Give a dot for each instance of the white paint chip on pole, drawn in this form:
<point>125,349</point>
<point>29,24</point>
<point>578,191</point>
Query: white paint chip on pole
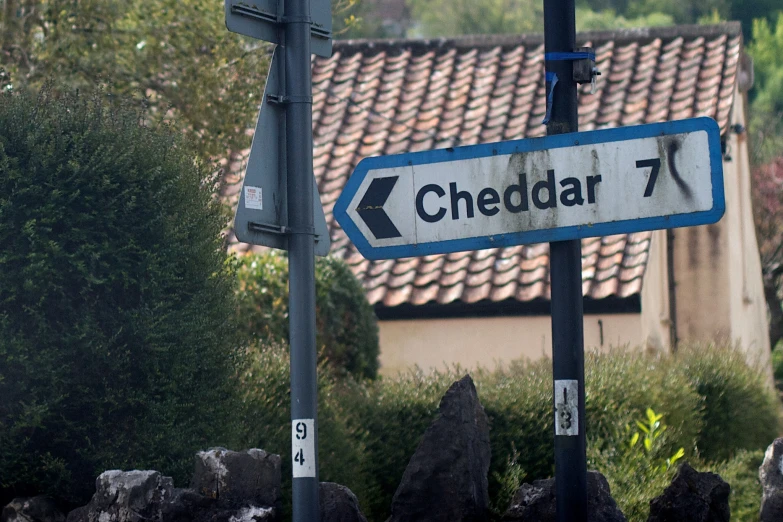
<point>567,407</point>
<point>303,447</point>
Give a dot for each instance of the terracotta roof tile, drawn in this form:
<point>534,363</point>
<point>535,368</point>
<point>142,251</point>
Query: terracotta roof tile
<point>384,97</point>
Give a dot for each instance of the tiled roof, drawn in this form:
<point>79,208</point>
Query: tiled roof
<point>384,97</point>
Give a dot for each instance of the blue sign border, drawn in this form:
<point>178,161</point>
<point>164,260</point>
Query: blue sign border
<point>529,145</point>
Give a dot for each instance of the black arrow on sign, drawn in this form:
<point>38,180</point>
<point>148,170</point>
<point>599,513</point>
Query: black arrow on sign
<point>370,208</point>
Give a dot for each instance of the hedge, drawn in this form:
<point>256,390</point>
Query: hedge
<point>117,348</point>
<point>266,422</point>
<point>346,327</point>
<point>695,391</point>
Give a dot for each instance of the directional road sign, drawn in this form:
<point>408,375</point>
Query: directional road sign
<point>262,19</point>
<point>262,211</point>
<point>560,187</point>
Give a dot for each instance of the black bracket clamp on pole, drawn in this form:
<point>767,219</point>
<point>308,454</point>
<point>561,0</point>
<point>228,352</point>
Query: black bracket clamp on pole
<point>583,71</point>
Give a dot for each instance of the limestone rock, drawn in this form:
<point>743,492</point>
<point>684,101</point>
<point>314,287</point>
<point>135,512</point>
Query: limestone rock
<point>32,509</point>
<point>692,497</point>
<point>253,514</point>
<point>446,479</point>
<point>771,477</point>
<point>338,504</point>
<point>229,486</point>
<point>236,478</point>
<point>126,496</point>
<point>536,502</point>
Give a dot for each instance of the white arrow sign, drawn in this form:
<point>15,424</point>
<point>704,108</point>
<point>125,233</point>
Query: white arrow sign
<point>555,188</point>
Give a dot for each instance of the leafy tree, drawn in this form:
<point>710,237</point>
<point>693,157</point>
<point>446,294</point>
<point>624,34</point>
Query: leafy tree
<point>117,348</point>
<point>682,11</point>
<point>768,214</point>
<point>346,327</point>
<point>175,56</point>
<point>589,20</point>
<point>767,105</point>
<point>457,17</point>
<point>766,131</point>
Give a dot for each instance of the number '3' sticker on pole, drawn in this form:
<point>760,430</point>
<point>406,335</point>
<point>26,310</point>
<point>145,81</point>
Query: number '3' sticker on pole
<point>566,407</point>
<point>303,447</point>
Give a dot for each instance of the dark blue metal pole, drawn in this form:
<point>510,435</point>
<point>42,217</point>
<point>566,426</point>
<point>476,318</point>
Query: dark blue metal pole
<point>566,284</point>
<point>301,244</point>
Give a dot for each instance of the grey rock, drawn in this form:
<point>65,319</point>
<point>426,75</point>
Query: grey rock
<point>446,479</point>
<point>186,506</point>
<point>771,477</point>
<point>536,502</point>
<point>32,509</point>
<point>236,478</point>
<point>78,515</point>
<point>253,514</point>
<point>228,486</point>
<point>692,497</point>
<point>126,496</point>
<point>339,504</point>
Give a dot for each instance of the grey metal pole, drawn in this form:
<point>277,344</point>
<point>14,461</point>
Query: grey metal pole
<point>566,284</point>
<point>301,257</point>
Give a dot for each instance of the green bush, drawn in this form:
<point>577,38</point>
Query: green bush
<point>622,384</point>
<point>391,414</point>
<point>346,327</point>
<point>266,415</point>
<point>777,366</point>
<point>116,297</point>
<point>741,411</point>
<point>518,403</point>
<point>742,474</point>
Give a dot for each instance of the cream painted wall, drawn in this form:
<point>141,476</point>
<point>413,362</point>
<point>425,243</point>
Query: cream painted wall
<point>486,341</point>
<point>749,323</point>
<point>717,267</point>
<point>655,318</point>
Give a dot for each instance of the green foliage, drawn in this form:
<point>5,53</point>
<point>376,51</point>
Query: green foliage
<point>174,56</point>
<point>266,415</point>
<point>117,348</point>
<point>777,367</point>
<point>607,19</point>
<point>508,483</point>
<point>346,327</point>
<point>767,105</point>
<point>742,474</point>
<point>458,17</point>
<point>697,394</point>
<point>652,429</point>
<point>637,472</point>
<point>736,396</point>
<point>391,415</point>
<point>518,403</point>
<point>621,385</point>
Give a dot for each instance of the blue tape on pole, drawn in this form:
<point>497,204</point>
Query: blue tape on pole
<point>555,57</point>
<point>551,78</point>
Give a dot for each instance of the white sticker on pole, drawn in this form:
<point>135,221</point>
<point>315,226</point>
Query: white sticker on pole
<point>303,447</point>
<point>253,199</point>
<point>567,407</point>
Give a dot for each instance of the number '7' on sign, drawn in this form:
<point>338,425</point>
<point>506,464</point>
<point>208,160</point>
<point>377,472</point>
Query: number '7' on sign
<point>553,188</point>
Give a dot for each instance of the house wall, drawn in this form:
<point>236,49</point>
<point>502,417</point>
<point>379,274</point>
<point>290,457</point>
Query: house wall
<point>655,317</point>
<point>485,341</point>
<point>718,286</point>
<point>717,267</point>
